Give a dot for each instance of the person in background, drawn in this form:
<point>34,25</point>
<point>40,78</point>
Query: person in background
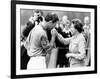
<point>63,27</point>
<point>67,26</point>
<point>86,23</point>
<point>86,27</point>
<point>34,20</point>
<point>37,43</point>
<point>86,34</point>
<point>62,61</point>
<point>77,44</point>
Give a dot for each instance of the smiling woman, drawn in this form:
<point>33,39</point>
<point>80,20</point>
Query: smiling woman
<point>38,47</point>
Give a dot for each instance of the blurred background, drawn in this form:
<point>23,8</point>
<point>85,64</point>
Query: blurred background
<point>26,13</point>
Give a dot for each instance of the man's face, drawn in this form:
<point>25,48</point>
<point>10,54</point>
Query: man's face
<point>51,25</point>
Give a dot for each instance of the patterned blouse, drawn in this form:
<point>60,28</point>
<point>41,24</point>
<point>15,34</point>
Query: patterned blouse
<point>76,48</point>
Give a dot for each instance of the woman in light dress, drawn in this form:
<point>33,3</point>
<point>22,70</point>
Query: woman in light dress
<point>77,52</point>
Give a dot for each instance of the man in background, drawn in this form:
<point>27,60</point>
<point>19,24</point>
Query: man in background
<point>87,36</point>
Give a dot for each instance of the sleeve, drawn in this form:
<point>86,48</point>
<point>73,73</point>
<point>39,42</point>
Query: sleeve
<point>63,40</point>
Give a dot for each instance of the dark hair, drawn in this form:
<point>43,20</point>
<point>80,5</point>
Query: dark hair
<point>51,17</point>
<point>28,28</point>
<point>38,11</point>
<point>78,25</point>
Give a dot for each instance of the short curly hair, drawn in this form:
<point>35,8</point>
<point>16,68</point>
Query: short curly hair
<point>78,25</point>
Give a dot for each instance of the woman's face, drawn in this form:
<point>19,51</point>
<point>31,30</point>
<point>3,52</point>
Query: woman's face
<point>73,30</point>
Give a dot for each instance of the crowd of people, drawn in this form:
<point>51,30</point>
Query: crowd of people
<point>47,42</point>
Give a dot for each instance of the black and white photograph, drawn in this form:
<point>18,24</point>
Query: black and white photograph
<point>55,39</point>
<point>65,41</point>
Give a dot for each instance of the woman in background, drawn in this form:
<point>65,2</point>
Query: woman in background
<point>63,29</point>
<point>66,24</point>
